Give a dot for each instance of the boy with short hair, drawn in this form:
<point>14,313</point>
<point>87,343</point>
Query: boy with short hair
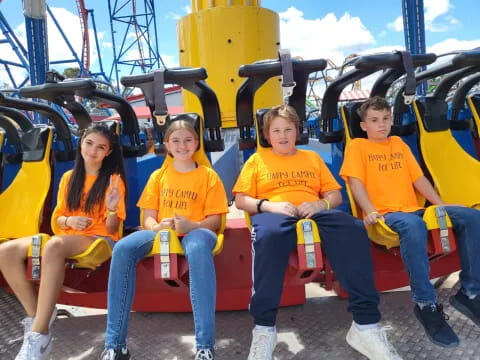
<point>383,176</point>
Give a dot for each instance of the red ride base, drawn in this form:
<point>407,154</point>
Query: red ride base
<point>233,269</point>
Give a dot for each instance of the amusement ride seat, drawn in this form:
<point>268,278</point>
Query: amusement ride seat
<point>455,173</point>
<point>441,239</point>
<point>167,252</point>
<point>307,262</point>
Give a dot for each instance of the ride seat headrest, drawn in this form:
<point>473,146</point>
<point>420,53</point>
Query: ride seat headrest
<point>434,114</point>
<point>353,120</point>
<point>34,142</point>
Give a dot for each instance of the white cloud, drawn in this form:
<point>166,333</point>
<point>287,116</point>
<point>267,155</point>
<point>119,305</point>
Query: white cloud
<point>346,35</point>
<point>396,25</point>
<point>173,15</point>
<point>187,9</point>
<point>170,61</point>
<point>107,44</point>
<point>449,45</point>
<point>435,17</point>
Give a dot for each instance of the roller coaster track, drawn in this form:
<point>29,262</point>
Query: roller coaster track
<point>83,15</point>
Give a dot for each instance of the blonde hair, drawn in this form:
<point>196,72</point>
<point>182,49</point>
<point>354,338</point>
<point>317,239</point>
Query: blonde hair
<point>180,125</point>
<point>284,111</point>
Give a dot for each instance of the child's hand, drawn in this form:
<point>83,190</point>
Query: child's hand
<point>78,222</point>
<point>282,207</point>
<point>167,223</point>
<point>182,225</point>
<point>307,209</point>
<point>372,218</point>
<point>113,194</point>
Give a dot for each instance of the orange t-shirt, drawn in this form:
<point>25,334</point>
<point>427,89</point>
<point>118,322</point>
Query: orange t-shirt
<point>387,170</point>
<point>195,194</point>
<point>297,178</point>
<point>99,216</point>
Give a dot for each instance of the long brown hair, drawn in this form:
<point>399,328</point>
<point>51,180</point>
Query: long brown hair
<point>112,164</point>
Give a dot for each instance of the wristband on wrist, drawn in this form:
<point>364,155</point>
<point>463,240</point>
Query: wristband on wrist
<point>111,212</point>
<point>65,224</point>
<point>373,212</point>
<point>327,203</point>
<point>259,205</point>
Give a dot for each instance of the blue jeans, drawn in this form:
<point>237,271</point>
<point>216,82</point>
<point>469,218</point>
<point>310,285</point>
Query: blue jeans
<point>413,248</point>
<point>198,245</point>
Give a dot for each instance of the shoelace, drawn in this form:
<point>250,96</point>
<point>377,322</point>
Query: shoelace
<point>260,346</point>
<point>438,321</point>
<point>204,354</point>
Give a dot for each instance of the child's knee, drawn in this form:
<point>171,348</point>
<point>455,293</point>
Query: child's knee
<point>54,247</point>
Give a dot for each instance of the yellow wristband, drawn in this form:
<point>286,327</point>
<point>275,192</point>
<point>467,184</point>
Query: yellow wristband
<point>111,212</point>
<point>373,212</point>
<point>327,203</point>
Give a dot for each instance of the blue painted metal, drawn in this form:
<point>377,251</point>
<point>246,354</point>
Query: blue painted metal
<point>36,30</point>
<point>414,31</point>
<point>18,49</point>
<point>127,17</point>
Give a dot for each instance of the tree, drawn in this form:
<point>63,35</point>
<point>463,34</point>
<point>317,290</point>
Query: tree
<point>71,72</point>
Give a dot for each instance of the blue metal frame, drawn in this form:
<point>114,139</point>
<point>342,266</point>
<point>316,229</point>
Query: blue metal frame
<point>122,22</point>
<point>19,50</point>
<point>414,31</point>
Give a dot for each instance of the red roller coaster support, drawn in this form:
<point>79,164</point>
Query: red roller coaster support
<point>83,15</point>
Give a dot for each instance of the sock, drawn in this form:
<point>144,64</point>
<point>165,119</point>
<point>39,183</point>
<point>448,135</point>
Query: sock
<point>363,327</point>
<point>422,305</point>
<point>265,328</point>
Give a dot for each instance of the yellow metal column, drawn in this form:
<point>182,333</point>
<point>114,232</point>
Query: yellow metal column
<point>221,35</point>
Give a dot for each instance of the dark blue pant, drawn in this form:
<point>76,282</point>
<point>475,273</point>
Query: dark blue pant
<point>344,241</point>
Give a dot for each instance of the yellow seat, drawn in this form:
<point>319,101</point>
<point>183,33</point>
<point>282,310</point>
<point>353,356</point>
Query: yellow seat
<point>455,173</point>
<point>21,203</point>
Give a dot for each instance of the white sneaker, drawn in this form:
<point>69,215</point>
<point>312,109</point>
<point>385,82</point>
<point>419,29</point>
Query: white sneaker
<point>27,328</point>
<point>204,354</point>
<point>263,343</point>
<point>38,346</point>
<point>372,343</point>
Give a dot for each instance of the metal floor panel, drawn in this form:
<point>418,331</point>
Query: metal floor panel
<point>315,330</point>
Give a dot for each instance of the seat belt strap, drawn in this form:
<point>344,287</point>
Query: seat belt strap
<point>161,110</point>
<point>441,214</point>
<point>36,245</point>
<point>288,83</point>
<point>410,83</point>
<point>165,254</point>
<point>307,230</point>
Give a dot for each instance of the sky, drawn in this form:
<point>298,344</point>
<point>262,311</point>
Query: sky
<point>309,28</point>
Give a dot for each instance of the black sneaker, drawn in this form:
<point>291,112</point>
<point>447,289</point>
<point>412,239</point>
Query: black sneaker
<point>434,321</point>
<point>111,354</point>
<point>468,307</point>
